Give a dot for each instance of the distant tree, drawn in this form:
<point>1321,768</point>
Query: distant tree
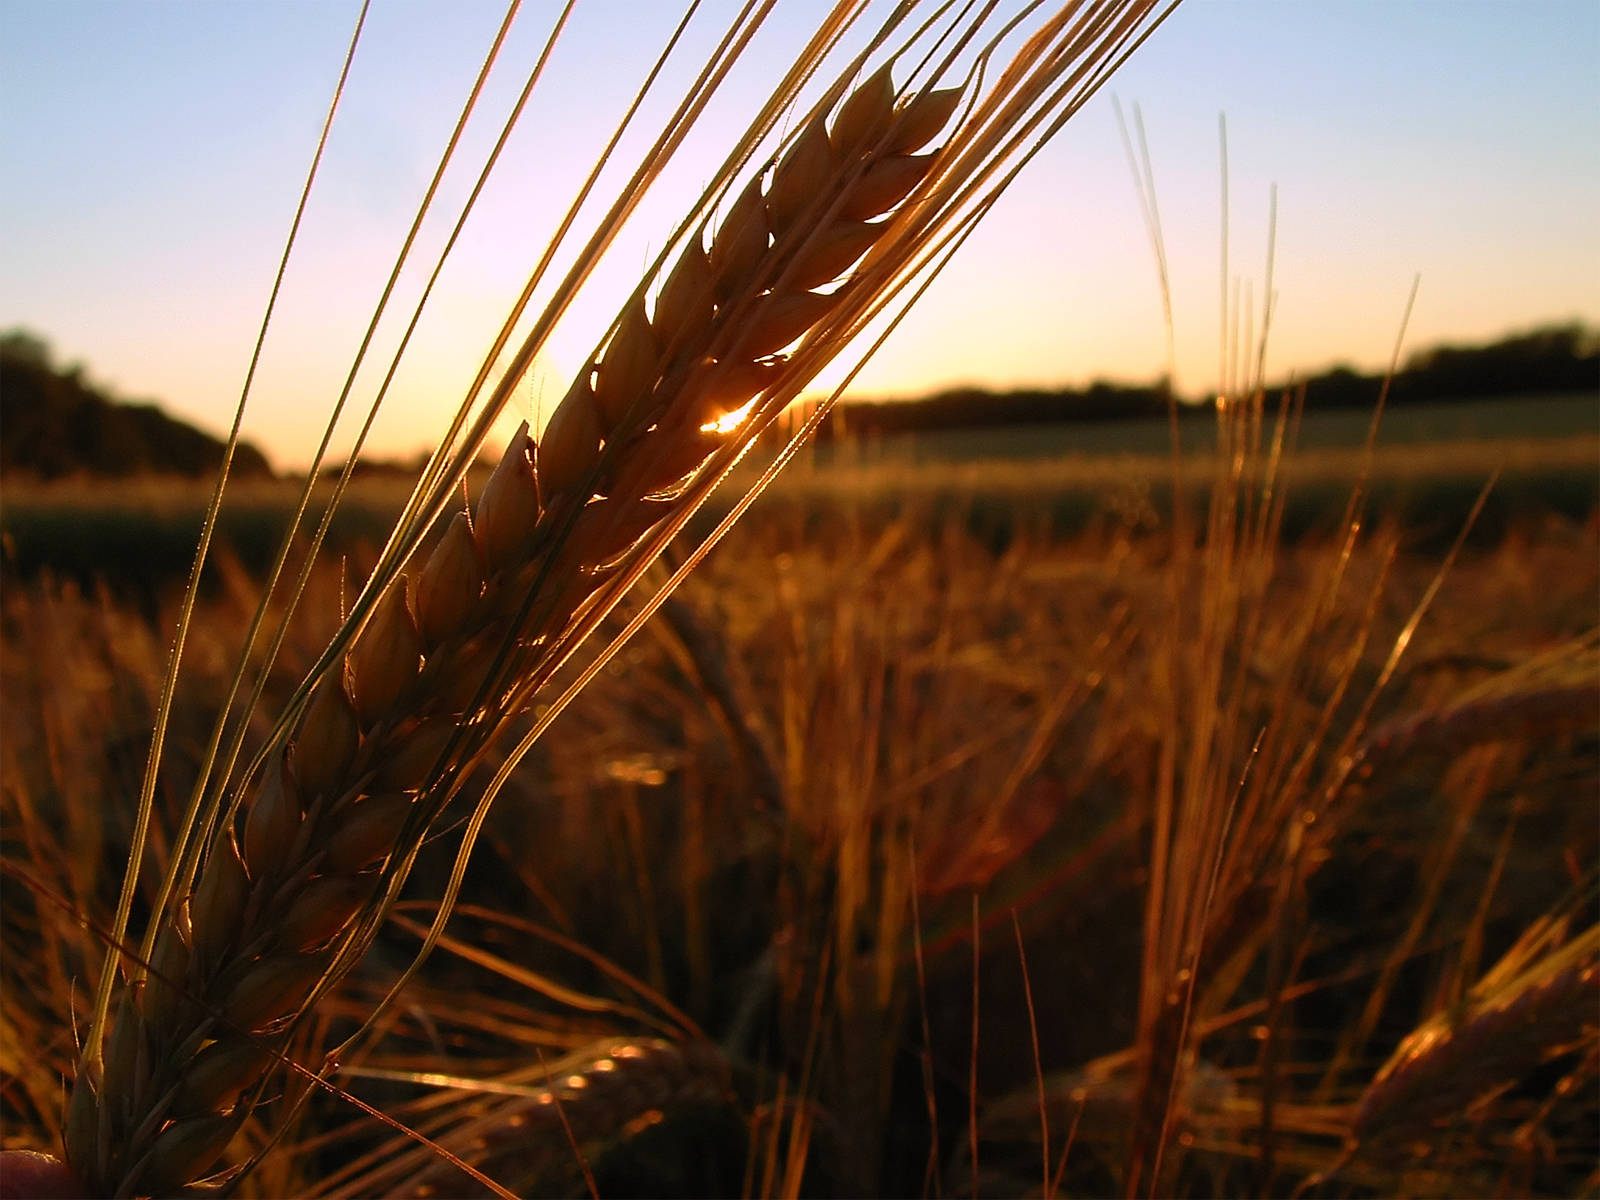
<point>53,423</point>
<point>20,346</point>
<point>1341,387</point>
<point>976,408</point>
<point>1554,358</point>
<point>1550,360</point>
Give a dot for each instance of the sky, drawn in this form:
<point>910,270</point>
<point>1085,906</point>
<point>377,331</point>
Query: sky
<point>152,153</point>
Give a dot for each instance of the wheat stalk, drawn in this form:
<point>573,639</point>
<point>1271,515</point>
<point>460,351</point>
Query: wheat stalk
<point>305,858</point>
<point>1540,999</point>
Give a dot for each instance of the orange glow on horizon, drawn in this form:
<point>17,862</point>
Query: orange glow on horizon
<point>160,295</point>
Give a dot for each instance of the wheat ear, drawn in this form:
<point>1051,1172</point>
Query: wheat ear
<point>1541,998</point>
<point>1516,1017</point>
<point>273,906</point>
<point>528,1141</point>
<point>311,849</point>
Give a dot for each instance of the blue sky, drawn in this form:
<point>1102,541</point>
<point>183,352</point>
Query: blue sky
<point>152,153</point>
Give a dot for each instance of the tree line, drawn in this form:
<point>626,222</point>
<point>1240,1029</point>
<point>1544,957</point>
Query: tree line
<point>1551,360</point>
<point>54,423</point>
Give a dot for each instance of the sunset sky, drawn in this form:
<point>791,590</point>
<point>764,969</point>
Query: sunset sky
<point>152,155</point>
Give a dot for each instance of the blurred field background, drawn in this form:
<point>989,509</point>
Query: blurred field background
<point>856,844</point>
<point>1429,464</point>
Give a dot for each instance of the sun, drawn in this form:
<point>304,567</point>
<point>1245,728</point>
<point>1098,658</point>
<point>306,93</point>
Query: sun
<point>730,421</point>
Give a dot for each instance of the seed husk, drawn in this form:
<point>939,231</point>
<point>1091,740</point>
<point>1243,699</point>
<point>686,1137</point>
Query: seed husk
<point>270,990</point>
<point>218,1074</point>
<point>326,741</point>
<point>179,1152</point>
<point>802,176</point>
<point>883,185</point>
<point>509,508</point>
<point>831,253</point>
<point>366,832</point>
<point>865,115</point>
<point>571,443</point>
<point>82,1132</point>
<point>322,909</point>
<point>741,242</point>
<point>450,583</point>
<point>647,475</point>
<point>386,660</point>
<point>921,120</point>
<point>608,527</point>
<point>163,999</point>
<point>127,1055</point>
<point>457,688</point>
<point>717,389</point>
<point>218,903</point>
<point>628,368</point>
<point>684,307</point>
<point>273,821</point>
<point>780,318</point>
<point>414,755</point>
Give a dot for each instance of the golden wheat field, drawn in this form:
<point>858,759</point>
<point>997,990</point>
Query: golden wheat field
<point>608,822</point>
<point>852,848</point>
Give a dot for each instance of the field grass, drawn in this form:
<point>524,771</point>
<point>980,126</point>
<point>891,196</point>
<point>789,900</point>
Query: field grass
<point>969,823</point>
<point>1430,463</point>
<point>856,845</point>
